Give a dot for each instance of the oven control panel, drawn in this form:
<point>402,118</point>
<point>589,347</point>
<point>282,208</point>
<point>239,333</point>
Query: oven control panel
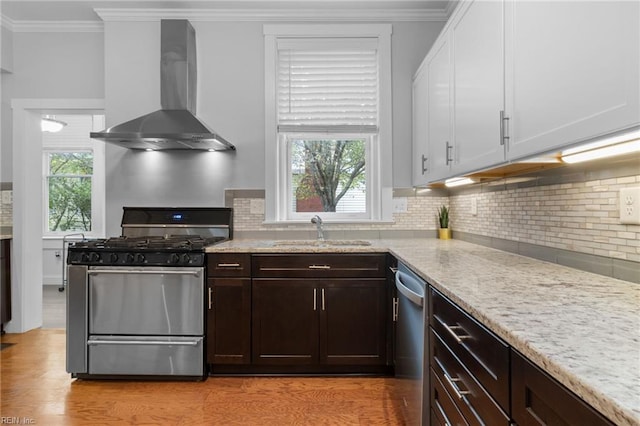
<point>139,258</point>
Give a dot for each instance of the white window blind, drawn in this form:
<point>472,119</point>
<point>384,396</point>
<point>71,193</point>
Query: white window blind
<point>327,86</point>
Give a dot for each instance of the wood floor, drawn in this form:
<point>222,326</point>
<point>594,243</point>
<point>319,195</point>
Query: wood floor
<point>35,388</point>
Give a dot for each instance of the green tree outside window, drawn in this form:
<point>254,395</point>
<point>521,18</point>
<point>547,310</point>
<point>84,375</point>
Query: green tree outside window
<point>69,191</point>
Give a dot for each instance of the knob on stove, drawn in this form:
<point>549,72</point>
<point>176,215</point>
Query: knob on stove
<point>113,258</point>
<point>174,258</point>
<point>129,258</point>
<point>95,257</point>
<point>186,258</point>
<point>140,258</point>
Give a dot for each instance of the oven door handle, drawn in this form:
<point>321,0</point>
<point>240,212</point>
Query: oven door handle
<point>142,272</point>
<point>195,342</point>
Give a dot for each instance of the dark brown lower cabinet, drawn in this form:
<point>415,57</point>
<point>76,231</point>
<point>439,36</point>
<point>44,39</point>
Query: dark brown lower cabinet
<point>319,322</point>
<point>229,321</point>
<point>538,399</point>
<point>5,281</point>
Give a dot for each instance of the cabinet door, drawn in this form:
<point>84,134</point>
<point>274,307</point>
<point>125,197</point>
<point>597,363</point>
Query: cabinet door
<point>572,72</point>
<point>353,322</point>
<point>420,127</point>
<point>537,399</point>
<point>440,144</point>
<point>229,321</point>
<point>477,39</point>
<point>285,321</point>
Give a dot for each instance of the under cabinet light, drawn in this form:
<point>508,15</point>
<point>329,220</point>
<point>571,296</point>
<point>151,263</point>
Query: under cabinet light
<point>457,181</point>
<point>626,143</point>
<point>50,124</point>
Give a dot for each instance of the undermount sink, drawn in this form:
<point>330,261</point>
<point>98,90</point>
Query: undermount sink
<point>321,243</point>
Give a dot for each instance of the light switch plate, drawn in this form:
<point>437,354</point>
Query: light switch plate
<point>630,206</point>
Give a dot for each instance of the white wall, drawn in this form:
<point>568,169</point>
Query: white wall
<point>50,71</point>
<point>230,100</point>
<point>49,65</point>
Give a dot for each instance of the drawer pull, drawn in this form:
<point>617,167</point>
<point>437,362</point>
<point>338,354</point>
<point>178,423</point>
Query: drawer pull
<point>228,265</point>
<point>319,266</point>
<point>442,413</point>
<point>210,298</point>
<point>454,330</point>
<point>453,383</point>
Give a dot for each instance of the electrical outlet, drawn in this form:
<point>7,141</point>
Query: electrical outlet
<point>256,206</point>
<point>630,206</point>
<point>474,206</point>
<point>400,205</point>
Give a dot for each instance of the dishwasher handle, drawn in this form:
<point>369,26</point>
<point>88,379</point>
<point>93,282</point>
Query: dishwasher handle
<point>415,298</point>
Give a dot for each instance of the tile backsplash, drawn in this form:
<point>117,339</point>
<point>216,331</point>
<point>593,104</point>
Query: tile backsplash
<point>573,210</point>
<point>579,216</point>
<point>418,220</point>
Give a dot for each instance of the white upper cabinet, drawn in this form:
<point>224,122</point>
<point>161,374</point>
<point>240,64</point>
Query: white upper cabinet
<point>440,144</point>
<point>432,143</point>
<point>477,37</point>
<point>420,127</point>
<point>572,72</point>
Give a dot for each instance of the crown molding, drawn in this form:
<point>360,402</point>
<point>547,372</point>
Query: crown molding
<point>52,26</point>
<point>280,15</point>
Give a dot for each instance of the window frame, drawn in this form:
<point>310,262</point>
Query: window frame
<point>286,176</point>
<point>379,175</point>
<point>97,182</point>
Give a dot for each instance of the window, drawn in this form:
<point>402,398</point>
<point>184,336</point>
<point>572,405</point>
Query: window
<point>328,122</point>
<point>73,178</point>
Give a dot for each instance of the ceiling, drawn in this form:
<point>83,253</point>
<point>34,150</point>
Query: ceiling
<point>30,11</point>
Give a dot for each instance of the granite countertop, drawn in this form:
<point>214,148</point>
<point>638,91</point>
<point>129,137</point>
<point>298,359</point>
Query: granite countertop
<point>6,236</point>
<point>582,328</point>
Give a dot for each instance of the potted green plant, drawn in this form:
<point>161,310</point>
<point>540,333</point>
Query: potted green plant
<point>444,233</point>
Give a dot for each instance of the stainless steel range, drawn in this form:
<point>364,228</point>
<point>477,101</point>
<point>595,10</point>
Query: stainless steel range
<point>135,303</point>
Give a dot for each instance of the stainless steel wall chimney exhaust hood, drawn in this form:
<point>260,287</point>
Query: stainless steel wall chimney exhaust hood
<point>175,126</point>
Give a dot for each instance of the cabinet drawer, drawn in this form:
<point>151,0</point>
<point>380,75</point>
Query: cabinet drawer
<point>538,399</point>
<point>471,398</point>
<point>313,265</point>
<point>442,404</point>
<point>478,349</point>
<point>229,265</point>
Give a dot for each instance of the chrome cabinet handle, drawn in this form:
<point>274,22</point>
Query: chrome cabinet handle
<point>452,330</point>
<point>315,299</point>
<point>443,413</point>
<point>503,133</point>
<point>210,298</point>
<point>395,309</point>
<point>319,266</point>
<point>323,299</point>
<point>452,381</point>
<point>424,161</point>
<point>448,158</point>
<point>228,265</point>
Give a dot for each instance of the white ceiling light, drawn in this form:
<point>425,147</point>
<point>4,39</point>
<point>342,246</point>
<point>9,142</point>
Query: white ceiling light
<point>625,143</point>
<point>457,181</point>
<point>50,124</point>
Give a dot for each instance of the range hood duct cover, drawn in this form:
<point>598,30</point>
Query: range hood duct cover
<point>175,126</point>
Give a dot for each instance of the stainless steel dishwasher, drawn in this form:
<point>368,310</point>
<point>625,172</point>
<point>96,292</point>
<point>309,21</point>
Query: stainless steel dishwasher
<point>411,354</point>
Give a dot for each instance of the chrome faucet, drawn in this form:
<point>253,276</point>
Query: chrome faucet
<point>318,221</point>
